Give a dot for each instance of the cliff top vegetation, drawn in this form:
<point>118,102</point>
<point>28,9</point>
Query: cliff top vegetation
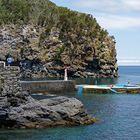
<point>44,13</point>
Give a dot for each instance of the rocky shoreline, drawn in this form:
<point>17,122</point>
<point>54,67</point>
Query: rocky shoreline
<point>19,110</point>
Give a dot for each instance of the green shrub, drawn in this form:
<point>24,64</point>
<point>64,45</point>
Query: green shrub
<point>14,11</point>
<point>46,13</point>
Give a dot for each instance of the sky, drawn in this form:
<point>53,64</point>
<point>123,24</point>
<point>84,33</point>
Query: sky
<point>120,17</point>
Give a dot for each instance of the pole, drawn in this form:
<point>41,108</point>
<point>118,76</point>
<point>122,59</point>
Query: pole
<point>65,75</point>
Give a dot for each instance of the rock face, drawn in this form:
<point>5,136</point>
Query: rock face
<point>18,109</point>
<point>65,38</point>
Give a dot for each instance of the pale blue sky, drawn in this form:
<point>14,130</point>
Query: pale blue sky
<point>120,17</point>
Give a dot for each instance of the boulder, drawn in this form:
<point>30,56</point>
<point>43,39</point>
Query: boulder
<point>46,113</point>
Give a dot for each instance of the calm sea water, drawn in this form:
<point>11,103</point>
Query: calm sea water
<point>119,115</point>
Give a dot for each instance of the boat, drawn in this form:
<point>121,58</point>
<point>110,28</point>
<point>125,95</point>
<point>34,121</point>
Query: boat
<point>104,89</point>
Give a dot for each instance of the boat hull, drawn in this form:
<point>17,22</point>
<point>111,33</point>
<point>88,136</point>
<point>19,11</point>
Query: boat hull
<point>109,89</point>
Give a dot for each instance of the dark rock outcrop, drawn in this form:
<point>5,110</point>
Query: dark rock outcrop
<point>46,113</point>
<point>19,110</point>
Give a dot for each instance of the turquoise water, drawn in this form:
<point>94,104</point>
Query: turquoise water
<point>119,115</point>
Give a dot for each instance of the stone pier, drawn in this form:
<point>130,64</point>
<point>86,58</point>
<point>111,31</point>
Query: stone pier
<point>51,86</point>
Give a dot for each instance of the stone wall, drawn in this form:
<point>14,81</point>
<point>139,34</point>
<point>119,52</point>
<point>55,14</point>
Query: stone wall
<point>9,77</point>
<point>1,81</point>
<point>11,93</point>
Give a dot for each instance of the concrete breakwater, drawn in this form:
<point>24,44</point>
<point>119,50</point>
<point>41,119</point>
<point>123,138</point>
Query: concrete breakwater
<point>19,110</point>
<point>52,86</point>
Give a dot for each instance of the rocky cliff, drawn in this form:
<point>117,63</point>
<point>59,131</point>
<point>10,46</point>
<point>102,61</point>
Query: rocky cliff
<point>43,38</point>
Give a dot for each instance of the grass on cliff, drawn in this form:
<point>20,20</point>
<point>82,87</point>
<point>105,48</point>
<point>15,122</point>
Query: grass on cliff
<point>24,11</point>
<point>44,13</point>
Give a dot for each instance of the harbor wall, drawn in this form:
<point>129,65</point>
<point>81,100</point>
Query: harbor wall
<point>51,86</point>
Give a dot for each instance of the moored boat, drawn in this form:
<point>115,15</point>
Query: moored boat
<point>104,89</point>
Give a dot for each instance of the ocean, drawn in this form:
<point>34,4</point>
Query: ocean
<point>118,114</point>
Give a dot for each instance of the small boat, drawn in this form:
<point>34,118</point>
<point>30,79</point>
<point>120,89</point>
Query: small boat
<point>104,89</point>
